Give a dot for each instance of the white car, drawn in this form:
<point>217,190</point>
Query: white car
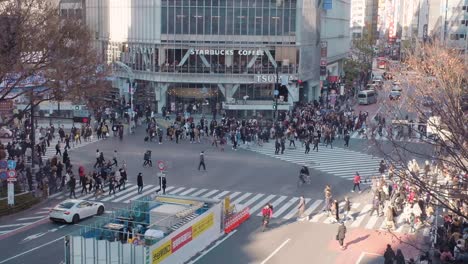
<point>73,210</point>
<point>5,133</point>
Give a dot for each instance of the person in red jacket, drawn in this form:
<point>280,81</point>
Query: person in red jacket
<point>357,182</point>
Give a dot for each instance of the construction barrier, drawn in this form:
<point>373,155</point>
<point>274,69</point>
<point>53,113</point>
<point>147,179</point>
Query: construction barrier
<point>234,221</point>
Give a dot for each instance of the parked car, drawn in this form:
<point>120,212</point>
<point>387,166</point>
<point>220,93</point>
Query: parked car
<point>6,133</point>
<point>394,95</point>
<point>73,210</point>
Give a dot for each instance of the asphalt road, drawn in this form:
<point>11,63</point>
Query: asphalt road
<point>243,171</point>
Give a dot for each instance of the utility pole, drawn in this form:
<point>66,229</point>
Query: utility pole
<point>276,94</point>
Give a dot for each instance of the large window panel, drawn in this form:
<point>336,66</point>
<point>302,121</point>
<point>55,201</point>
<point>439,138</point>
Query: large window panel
<point>207,20</point>
<point>185,20</point>
<point>230,24</point>
<point>193,20</point>
<point>215,18</point>
<point>266,21</point>
<point>222,21</point>
<point>200,17</point>
<point>179,20</point>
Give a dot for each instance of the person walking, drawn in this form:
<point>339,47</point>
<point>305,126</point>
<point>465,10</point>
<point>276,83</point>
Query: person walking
<point>346,139</point>
<point>399,258</point>
<point>112,185</point>
<point>202,161</point>
<point>277,146</point>
<point>340,236</point>
<point>336,210</point>
<point>283,145</point>
<point>123,178</point>
<point>163,184</point>
<point>57,149</point>
<point>316,143</point>
<point>389,255</point>
<point>307,146</point>
<point>375,205</point>
<point>390,218</point>
<point>147,159</point>
<point>357,182</point>
<point>347,209</point>
<point>301,208</point>
<point>114,158</point>
<point>140,182</point>
<point>72,185</point>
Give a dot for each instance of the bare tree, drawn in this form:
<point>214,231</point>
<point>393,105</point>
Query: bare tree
<point>56,54</point>
<point>435,111</point>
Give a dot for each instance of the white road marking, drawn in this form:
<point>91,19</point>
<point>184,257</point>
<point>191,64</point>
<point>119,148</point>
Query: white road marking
<point>261,204</point>
<point>363,214</point>
<point>210,193</point>
<point>199,192</point>
<point>313,207</point>
<point>31,250</point>
<point>221,195</point>
<point>276,251</point>
<point>213,247</point>
<point>113,196</point>
<point>285,207</point>
<point>187,191</point>
<point>29,218</point>
<point>127,196</point>
<point>240,199</point>
<point>275,204</point>
<point>295,210</point>
<point>177,190</point>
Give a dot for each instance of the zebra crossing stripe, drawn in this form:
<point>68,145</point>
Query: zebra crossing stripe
<point>261,203</point>
<point>234,195</point>
<point>372,221</point>
<point>240,199</point>
<point>362,215</point>
<point>128,190</point>
<point>253,199</point>
<point>129,195</point>
<point>275,204</point>
<point>312,207</point>
<point>199,192</point>
<point>177,190</point>
<point>222,194</point>
<point>286,206</point>
<point>295,210</point>
<point>144,193</point>
<point>208,194</point>
<point>187,191</point>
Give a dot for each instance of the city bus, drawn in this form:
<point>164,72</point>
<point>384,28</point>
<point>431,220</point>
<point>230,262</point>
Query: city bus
<point>367,97</point>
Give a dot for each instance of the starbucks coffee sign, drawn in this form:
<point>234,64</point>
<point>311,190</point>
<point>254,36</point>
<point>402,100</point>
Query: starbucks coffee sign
<point>223,52</point>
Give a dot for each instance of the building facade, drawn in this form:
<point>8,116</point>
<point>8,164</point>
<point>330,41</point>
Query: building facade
<point>214,54</point>
<point>358,18</point>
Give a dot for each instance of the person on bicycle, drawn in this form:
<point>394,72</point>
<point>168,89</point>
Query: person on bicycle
<point>304,173</point>
<point>266,213</point>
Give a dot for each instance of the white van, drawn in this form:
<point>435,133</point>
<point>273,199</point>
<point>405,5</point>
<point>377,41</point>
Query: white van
<point>367,97</point>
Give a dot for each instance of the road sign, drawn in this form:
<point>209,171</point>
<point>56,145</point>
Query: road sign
<point>11,193</point>
<point>3,174</point>
<point>161,165</point>
<point>11,164</point>
<point>3,164</point>
<point>11,174</point>
<point>12,179</point>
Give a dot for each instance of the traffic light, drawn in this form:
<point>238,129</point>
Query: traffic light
<point>79,119</point>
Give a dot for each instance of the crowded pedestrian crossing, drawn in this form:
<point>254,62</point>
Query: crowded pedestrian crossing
<point>340,162</point>
<point>285,207</point>
<point>50,151</point>
<point>384,137</point>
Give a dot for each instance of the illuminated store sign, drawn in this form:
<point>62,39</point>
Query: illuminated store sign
<point>223,52</point>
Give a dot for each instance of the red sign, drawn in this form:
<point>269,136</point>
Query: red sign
<point>161,165</point>
<point>323,62</point>
<point>332,79</point>
<point>181,239</point>
<point>12,174</point>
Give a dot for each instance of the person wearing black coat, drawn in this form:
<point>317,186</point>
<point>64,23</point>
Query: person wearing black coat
<point>140,182</point>
<point>389,255</point>
<point>340,236</point>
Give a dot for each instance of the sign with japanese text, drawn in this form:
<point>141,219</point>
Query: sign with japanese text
<point>202,225</point>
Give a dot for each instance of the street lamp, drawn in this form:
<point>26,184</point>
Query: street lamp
<point>276,95</point>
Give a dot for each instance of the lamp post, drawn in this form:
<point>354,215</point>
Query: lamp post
<point>32,136</point>
<point>276,94</point>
